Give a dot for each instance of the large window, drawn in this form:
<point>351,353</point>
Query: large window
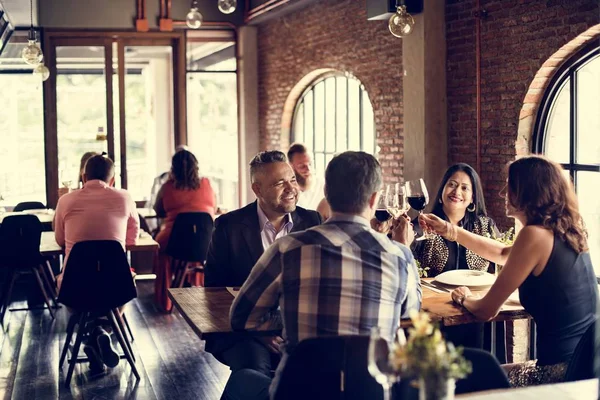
<point>212,112</point>
<point>334,115</point>
<point>568,131</point>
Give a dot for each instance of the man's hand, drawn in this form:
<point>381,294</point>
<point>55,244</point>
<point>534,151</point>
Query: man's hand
<point>402,230</point>
<point>272,343</point>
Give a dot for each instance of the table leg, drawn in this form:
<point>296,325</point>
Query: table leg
<point>532,340</point>
<point>493,338</point>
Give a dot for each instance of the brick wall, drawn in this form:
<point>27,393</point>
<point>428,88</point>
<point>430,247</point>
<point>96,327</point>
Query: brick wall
<point>332,34</point>
<point>517,37</point>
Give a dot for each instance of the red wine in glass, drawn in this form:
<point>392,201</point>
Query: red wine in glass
<point>382,215</point>
<point>417,202</point>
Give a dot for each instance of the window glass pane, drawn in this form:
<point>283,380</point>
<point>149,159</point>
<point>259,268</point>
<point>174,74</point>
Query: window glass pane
<point>81,108</point>
<point>213,133</point>
<point>22,168</point>
<point>368,125</point>
<point>298,133</point>
<point>330,117</point>
<point>319,93</point>
<point>211,56</point>
<point>354,114</point>
<point>342,115</point>
<point>309,118</point>
<point>589,204</point>
<point>557,132</point>
<point>320,164</point>
<point>588,113</point>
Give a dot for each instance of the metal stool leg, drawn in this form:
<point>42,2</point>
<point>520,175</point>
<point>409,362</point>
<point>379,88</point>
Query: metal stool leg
<point>70,329</point>
<point>123,344</point>
<point>128,327</point>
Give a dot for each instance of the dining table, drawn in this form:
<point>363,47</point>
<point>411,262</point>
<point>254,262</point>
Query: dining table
<point>44,215</point>
<point>206,310</point>
<point>580,390</point>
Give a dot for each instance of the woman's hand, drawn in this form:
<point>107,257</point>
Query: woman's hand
<point>402,230</point>
<point>460,294</point>
<point>381,227</point>
<point>433,223</point>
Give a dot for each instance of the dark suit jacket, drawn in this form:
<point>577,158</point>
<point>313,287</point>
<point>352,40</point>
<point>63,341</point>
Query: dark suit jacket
<point>235,247</point>
<point>236,244</point>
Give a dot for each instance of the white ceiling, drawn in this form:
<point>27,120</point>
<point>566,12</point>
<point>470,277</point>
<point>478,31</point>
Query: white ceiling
<point>18,11</point>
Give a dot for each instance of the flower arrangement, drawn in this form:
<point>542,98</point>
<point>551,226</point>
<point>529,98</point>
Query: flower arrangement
<point>427,355</point>
<point>422,271</point>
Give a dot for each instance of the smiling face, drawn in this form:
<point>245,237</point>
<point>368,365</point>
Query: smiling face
<point>458,193</point>
<point>302,165</point>
<point>276,188</point>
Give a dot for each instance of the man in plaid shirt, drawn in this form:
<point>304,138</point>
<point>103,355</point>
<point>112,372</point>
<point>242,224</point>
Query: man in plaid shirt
<point>339,278</point>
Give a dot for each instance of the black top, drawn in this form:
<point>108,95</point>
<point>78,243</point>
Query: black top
<point>562,302</point>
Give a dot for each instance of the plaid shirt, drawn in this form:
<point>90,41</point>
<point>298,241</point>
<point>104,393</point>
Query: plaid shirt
<point>339,278</point>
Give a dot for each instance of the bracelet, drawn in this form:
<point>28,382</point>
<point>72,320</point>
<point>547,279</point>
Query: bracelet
<point>462,299</point>
<point>451,232</point>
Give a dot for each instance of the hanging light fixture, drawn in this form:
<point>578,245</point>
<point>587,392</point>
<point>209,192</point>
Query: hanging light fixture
<point>41,72</point>
<point>193,18</point>
<point>227,6</point>
<point>401,24</point>
<point>32,54</point>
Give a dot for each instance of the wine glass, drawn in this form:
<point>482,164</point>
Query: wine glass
<point>418,198</point>
<point>381,212</point>
<point>65,179</point>
<point>400,200</point>
<point>380,366</point>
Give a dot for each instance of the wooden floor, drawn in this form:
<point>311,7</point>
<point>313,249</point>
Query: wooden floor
<point>170,358</point>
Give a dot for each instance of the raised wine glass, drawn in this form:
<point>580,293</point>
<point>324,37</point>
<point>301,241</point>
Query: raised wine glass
<point>380,366</point>
<point>382,211</point>
<point>418,198</point>
<point>402,201</point>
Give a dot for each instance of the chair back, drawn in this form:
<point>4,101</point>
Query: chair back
<point>314,371</point>
<point>29,205</point>
<point>190,236</point>
<point>487,373</point>
<point>144,224</point>
<point>97,277</point>
<point>581,365</point>
<point>20,237</point>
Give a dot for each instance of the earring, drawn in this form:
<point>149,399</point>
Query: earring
<point>471,209</point>
<point>440,200</point>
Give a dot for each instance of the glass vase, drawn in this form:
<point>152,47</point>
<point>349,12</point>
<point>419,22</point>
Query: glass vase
<point>436,387</point>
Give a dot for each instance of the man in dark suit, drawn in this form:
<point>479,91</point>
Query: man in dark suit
<point>238,241</point>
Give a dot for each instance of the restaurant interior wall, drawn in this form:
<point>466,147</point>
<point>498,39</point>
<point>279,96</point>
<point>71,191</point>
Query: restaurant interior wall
<point>516,39</point>
<point>337,35</point>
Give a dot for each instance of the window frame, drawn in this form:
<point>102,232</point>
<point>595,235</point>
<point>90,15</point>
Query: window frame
<point>310,89</point>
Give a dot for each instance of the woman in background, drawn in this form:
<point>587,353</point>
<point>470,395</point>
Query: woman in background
<point>549,263</point>
<point>184,191</point>
<point>460,202</point>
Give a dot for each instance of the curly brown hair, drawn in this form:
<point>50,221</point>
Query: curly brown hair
<point>538,187</point>
<point>184,171</point>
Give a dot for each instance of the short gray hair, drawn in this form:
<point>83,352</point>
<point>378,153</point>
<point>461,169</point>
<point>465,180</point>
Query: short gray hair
<point>263,158</point>
<point>350,179</point>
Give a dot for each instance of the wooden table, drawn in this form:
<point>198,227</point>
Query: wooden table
<point>581,390</point>
<point>49,247</point>
<point>207,309</point>
<point>147,212</point>
<point>45,216</point>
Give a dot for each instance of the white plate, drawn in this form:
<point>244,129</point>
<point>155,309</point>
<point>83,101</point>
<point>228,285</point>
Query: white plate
<point>466,277</point>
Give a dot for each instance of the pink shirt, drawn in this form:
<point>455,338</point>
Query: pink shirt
<point>96,212</point>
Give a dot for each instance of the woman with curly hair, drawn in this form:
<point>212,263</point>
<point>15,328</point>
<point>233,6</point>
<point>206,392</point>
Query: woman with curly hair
<point>549,263</point>
<point>184,191</point>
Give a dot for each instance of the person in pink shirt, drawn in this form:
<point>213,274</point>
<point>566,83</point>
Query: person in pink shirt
<point>96,212</point>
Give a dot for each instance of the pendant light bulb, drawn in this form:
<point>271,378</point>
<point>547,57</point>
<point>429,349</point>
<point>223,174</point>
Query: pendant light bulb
<point>227,6</point>
<point>401,24</point>
<point>41,72</point>
<point>194,19</point>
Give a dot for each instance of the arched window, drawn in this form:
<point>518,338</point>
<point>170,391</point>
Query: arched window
<point>334,114</point>
<point>568,131</point>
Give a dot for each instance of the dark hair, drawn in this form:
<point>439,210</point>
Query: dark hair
<point>84,158</point>
<point>538,188</point>
<point>350,179</point>
<point>263,158</point>
<point>99,167</point>
<point>470,217</point>
<point>184,171</point>
<point>296,148</point>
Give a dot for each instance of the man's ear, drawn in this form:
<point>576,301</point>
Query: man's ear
<point>373,200</point>
<point>256,189</point>
<point>84,178</point>
<point>111,183</point>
